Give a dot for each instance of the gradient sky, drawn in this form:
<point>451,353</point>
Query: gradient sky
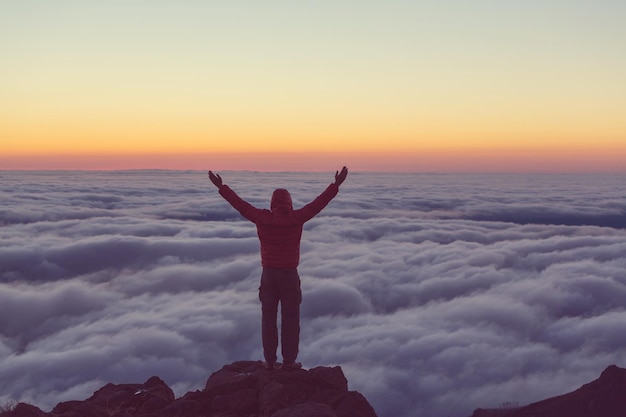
<point>487,85</point>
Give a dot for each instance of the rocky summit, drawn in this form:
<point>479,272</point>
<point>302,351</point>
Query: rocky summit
<point>241,389</point>
<point>603,397</point>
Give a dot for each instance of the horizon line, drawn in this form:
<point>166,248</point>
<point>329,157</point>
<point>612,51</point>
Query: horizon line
<point>429,161</point>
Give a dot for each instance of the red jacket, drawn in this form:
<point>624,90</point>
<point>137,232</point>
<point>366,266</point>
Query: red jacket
<point>280,228</point>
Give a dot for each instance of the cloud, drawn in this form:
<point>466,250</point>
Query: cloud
<point>25,307</point>
<point>50,259</point>
<point>333,298</point>
<point>437,294</point>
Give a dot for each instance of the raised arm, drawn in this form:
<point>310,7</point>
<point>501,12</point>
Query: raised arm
<point>215,179</point>
<point>246,209</point>
<point>310,210</point>
<point>340,177</point>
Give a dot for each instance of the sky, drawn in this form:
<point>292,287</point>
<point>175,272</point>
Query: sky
<point>440,86</point>
<point>436,293</point>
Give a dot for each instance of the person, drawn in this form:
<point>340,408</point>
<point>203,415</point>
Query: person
<point>280,231</point>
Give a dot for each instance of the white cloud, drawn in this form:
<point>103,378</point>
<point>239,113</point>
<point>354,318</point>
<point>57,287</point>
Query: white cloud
<point>435,293</point>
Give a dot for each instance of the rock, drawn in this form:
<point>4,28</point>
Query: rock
<point>280,390</point>
<point>486,412</point>
<point>24,410</point>
<point>306,410</point>
<point>240,389</point>
<point>603,397</point>
<point>354,404</point>
<point>111,400</point>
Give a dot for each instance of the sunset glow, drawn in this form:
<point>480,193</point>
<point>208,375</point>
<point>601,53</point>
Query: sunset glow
<point>381,86</point>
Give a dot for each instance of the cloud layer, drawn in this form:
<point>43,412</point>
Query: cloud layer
<point>435,293</point>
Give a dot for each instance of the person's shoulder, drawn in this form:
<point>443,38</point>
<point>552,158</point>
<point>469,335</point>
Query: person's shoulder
<point>263,215</point>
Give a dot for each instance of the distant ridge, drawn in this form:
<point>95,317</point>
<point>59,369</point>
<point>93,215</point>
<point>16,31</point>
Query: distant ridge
<point>240,389</point>
<point>603,397</point>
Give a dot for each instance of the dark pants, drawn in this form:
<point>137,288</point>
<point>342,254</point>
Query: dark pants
<point>280,285</point>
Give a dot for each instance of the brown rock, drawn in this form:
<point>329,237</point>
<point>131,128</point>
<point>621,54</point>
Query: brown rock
<point>240,389</point>
<point>306,410</point>
<point>282,390</point>
<point>603,397</point>
<point>353,404</point>
<point>24,410</point>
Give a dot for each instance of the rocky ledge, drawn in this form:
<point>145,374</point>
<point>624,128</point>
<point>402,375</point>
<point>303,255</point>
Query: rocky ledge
<point>241,389</point>
<point>603,397</point>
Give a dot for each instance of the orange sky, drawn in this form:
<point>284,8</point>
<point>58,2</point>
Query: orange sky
<point>548,161</point>
<point>394,86</point>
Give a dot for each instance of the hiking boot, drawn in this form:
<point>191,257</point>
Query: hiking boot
<point>270,366</point>
<point>292,366</point>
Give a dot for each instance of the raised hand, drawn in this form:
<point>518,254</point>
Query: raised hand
<point>340,177</point>
<point>215,179</point>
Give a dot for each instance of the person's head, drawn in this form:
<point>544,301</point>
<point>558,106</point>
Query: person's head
<point>281,201</point>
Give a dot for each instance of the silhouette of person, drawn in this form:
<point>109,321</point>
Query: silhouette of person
<point>280,230</point>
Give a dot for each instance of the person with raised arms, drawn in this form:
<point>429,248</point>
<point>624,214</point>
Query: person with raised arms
<point>280,231</point>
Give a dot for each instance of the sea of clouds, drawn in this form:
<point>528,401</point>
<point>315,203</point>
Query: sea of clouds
<point>436,294</point>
